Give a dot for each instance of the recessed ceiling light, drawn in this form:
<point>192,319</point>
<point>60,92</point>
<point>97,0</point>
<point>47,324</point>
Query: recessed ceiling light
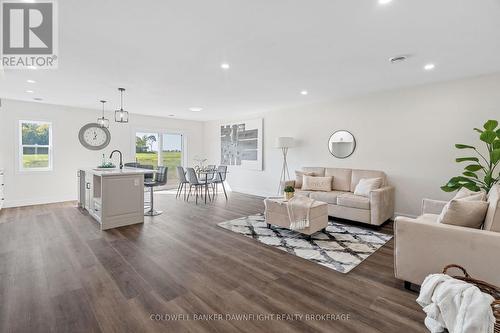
<point>224,65</point>
<point>32,67</point>
<point>29,91</point>
<point>304,92</point>
<point>195,109</point>
<point>384,2</point>
<point>31,81</point>
<point>429,67</point>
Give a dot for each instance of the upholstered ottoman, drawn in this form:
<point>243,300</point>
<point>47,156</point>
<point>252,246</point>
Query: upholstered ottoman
<point>277,214</point>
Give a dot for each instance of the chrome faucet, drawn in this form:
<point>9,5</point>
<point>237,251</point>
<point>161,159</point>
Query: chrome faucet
<point>121,159</point>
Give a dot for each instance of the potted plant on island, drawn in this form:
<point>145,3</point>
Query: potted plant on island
<point>289,192</point>
<point>481,173</point>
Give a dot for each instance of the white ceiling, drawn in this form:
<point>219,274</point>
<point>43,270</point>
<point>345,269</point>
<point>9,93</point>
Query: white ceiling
<point>167,54</point>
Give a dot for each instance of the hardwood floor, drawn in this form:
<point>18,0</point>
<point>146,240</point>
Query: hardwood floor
<point>59,272</point>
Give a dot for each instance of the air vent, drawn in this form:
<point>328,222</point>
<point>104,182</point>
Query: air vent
<point>398,59</point>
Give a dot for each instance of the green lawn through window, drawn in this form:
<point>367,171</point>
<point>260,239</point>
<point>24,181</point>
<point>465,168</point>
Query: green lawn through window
<point>171,159</point>
<point>35,161</point>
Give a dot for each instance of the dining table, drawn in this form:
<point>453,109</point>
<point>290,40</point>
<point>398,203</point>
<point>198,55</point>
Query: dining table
<point>206,173</point>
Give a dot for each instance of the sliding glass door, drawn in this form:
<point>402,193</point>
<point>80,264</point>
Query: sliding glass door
<point>160,149</point>
<point>171,155</point>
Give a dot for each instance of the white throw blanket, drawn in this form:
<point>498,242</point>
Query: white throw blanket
<point>455,305</point>
<point>299,208</point>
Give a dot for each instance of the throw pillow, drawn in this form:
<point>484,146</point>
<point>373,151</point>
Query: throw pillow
<point>366,185</point>
<point>464,193</point>
<point>311,183</point>
<point>464,213</point>
<point>298,177</point>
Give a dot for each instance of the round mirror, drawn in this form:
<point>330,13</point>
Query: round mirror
<point>342,144</point>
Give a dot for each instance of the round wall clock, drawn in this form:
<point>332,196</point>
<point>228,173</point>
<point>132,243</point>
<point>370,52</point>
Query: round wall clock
<point>94,137</point>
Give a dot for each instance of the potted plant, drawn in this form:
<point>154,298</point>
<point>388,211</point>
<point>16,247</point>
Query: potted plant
<point>289,192</point>
<point>481,173</point>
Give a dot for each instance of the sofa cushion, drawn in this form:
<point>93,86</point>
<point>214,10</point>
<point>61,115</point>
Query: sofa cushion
<point>366,185</point>
<point>311,183</point>
<point>299,177</point>
<point>431,218</point>
<point>328,197</point>
<point>492,220</point>
<point>320,172</point>
<point>464,213</point>
<point>353,201</point>
<point>358,174</point>
<point>303,193</point>
<point>341,178</point>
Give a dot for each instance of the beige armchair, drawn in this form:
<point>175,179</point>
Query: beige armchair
<point>423,246</point>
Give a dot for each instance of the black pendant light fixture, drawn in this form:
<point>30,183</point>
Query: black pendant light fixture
<point>103,122</point>
<point>121,116</point>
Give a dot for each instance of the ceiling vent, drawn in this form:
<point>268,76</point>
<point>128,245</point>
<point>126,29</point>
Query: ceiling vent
<point>398,59</point>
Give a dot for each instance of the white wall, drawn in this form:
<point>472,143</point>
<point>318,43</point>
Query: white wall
<point>69,155</point>
<point>408,133</point>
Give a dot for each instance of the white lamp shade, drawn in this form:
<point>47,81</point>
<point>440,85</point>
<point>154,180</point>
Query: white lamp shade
<point>284,142</point>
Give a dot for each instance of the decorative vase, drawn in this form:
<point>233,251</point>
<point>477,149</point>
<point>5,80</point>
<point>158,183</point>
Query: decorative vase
<point>288,195</point>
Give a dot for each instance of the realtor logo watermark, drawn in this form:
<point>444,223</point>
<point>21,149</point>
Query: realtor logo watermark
<point>29,34</point>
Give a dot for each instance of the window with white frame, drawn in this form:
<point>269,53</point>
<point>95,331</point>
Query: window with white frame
<point>35,145</point>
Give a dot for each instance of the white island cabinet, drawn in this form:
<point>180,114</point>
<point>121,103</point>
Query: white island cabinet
<point>114,198</point>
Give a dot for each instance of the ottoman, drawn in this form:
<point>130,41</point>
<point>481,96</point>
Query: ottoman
<point>277,214</point>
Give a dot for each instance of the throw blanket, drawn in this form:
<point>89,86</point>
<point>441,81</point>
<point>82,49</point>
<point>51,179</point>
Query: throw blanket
<point>455,305</point>
<point>299,208</point>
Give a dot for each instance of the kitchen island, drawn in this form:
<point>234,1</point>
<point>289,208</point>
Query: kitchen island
<point>113,197</point>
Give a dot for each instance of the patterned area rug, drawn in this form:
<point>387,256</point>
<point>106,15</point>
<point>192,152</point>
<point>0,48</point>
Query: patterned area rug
<point>342,247</point>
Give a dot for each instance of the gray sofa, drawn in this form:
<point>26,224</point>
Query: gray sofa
<point>342,203</point>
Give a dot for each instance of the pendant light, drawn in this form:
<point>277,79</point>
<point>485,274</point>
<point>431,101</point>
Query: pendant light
<point>103,122</point>
<point>121,116</point>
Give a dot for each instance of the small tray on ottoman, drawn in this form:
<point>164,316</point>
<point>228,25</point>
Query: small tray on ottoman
<point>277,214</point>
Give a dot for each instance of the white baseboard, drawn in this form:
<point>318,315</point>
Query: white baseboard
<point>37,201</point>
<point>253,192</point>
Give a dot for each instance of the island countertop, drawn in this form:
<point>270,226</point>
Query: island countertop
<point>117,171</point>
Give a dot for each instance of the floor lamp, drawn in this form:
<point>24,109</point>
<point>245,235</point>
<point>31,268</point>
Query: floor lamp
<point>284,143</point>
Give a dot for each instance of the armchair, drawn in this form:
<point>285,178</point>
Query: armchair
<point>423,246</point>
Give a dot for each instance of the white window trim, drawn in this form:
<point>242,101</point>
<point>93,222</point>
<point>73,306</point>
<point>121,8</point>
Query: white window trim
<point>20,153</point>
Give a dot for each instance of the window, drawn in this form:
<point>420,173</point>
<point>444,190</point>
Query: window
<point>35,145</point>
<point>160,149</point>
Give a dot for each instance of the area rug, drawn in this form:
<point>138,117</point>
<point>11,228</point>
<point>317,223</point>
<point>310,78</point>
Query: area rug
<point>342,247</point>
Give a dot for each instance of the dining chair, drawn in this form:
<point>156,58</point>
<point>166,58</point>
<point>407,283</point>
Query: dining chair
<point>181,174</point>
<point>160,179</point>
<point>211,167</point>
<point>220,178</point>
<point>193,181</point>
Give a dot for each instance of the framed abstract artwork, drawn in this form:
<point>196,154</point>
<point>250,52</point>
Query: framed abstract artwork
<point>241,144</point>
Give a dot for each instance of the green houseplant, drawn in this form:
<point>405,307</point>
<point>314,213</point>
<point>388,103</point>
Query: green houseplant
<point>481,172</point>
<point>289,192</point>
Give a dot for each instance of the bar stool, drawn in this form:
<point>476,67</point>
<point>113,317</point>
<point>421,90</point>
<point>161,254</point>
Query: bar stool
<point>160,179</point>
